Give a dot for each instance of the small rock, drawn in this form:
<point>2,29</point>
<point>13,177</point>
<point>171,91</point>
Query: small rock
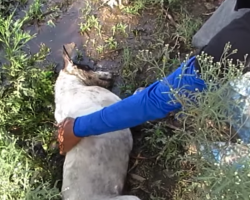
<point>137,177</point>
<point>209,6</point>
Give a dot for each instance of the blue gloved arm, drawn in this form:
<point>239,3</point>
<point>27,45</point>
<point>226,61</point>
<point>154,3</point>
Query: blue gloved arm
<point>150,104</point>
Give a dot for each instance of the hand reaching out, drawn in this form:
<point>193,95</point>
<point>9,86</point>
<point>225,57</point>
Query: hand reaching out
<point>66,137</point>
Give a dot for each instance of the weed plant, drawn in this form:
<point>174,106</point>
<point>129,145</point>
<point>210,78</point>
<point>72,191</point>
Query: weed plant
<point>207,118</point>
<point>209,121</point>
<point>26,116</point>
<point>7,6</point>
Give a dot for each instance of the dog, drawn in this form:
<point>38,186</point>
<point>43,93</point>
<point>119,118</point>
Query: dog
<point>96,168</point>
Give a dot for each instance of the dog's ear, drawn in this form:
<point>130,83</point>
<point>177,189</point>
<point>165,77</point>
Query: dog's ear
<point>68,63</point>
<point>66,58</point>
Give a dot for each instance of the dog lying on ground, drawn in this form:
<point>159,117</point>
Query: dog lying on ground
<point>96,168</point>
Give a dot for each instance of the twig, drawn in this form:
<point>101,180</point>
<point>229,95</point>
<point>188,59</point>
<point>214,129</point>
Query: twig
<point>169,17</point>
<point>207,14</point>
<point>143,158</point>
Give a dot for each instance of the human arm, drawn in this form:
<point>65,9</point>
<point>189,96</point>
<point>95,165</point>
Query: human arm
<point>149,104</point>
<point>154,102</point>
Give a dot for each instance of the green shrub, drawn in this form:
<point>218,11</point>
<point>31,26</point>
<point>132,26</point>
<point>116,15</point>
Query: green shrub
<point>20,177</point>
<point>205,122</point>
<point>26,117</point>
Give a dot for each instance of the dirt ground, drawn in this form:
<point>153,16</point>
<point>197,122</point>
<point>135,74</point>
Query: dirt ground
<point>103,47</point>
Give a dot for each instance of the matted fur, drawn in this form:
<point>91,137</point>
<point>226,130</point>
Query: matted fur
<point>96,168</point>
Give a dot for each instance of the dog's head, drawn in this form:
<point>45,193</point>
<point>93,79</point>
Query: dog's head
<point>88,76</point>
